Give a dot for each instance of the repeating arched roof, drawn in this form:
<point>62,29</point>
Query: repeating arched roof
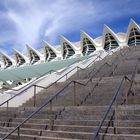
<point>85,35</point>
<point>98,43</point>
<point>46,44</point>
<point>108,30</point>
<point>132,24</point>
<point>63,39</point>
<point>35,51</point>
<point>7,57</point>
<point>21,55</point>
<point>76,49</point>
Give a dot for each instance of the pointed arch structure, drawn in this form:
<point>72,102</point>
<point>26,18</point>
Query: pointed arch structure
<point>110,39</point>
<point>20,58</point>
<point>7,61</point>
<point>88,45</point>
<point>34,55</point>
<point>50,52</point>
<point>133,34</point>
<point>68,49</point>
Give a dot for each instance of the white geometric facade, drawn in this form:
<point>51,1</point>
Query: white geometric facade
<point>21,68</point>
<point>88,45</point>
<point>133,34</point>
<point>110,39</point>
<point>67,50</point>
<point>21,59</point>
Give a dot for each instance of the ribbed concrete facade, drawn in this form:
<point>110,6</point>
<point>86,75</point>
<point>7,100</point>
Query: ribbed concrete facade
<point>86,46</point>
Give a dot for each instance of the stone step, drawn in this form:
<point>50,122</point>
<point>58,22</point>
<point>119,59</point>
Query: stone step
<point>73,132</point>
<point>41,122</point>
<point>67,134</point>
<point>88,136</point>
<point>81,122</point>
<point>129,117</point>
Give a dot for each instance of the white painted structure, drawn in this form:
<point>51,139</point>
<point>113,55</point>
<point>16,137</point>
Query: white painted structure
<point>108,42</point>
<point>68,50</point>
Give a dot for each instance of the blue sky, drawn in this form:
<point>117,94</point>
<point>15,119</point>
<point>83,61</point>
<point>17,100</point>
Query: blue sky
<point>31,21</point>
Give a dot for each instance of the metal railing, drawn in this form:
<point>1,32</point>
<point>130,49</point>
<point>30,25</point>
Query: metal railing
<point>77,68</point>
<point>114,100</point>
<point>48,103</point>
<point>58,72</point>
<point>49,72</point>
<point>54,97</point>
<point>65,75</point>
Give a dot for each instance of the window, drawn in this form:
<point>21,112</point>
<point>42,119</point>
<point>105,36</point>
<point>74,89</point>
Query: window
<point>50,55</point>
<point>20,59</point>
<point>110,42</point>
<point>7,62</point>
<point>88,47</point>
<point>33,57</point>
<point>67,51</point>
<point>134,37</point>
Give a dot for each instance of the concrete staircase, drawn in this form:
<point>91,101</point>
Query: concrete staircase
<point>77,112</point>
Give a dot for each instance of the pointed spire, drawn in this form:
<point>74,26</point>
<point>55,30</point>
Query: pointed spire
<point>88,44</point>
<point>20,58</point>
<point>50,52</point>
<point>133,28</point>
<point>85,35</point>
<point>110,39</point>
<point>34,55</point>
<point>63,39</point>
<point>8,61</point>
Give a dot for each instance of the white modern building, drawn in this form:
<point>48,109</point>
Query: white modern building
<point>35,63</point>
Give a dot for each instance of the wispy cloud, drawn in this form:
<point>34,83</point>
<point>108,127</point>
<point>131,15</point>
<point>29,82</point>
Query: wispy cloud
<point>30,21</point>
<point>43,19</point>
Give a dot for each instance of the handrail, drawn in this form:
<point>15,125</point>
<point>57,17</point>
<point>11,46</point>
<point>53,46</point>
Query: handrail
<point>35,112</point>
<point>49,72</point>
<point>77,67</point>
<point>50,102</point>
<point>112,62</point>
<point>114,99</point>
<point>106,63</point>
<point>79,60</point>
<point>59,72</point>
<point>7,101</point>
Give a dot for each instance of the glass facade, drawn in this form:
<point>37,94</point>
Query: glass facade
<point>110,42</point>
<point>67,51</point>
<point>88,47</point>
<point>134,37</point>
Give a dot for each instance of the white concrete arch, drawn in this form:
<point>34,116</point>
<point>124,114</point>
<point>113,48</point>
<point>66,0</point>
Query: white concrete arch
<point>133,34</point>
<point>88,45</point>
<point>20,58</point>
<point>110,39</point>
<point>34,55</point>
<point>51,54</point>
<point>68,49</point>
<point>7,61</point>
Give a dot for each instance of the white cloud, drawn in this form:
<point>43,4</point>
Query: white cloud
<point>33,20</point>
<point>44,18</point>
